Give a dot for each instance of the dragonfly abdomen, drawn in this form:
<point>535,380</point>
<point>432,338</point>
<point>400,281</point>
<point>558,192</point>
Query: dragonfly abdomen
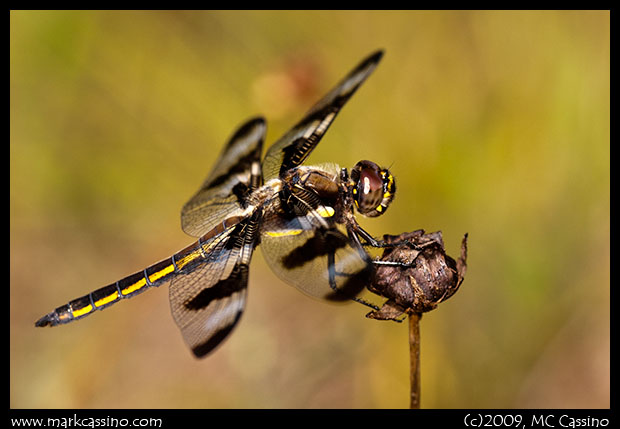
<point>130,286</point>
<point>134,284</point>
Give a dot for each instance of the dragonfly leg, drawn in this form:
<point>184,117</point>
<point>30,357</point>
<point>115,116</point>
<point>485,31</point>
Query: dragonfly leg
<point>331,268</point>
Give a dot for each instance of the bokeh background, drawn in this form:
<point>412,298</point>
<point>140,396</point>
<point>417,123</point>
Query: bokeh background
<point>494,123</point>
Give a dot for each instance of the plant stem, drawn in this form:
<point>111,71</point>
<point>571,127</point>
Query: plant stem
<point>414,352</point>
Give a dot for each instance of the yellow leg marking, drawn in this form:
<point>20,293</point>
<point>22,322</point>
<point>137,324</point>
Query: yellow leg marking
<point>82,311</point>
<point>134,287</point>
<point>284,233</point>
<point>161,273</point>
<point>107,299</point>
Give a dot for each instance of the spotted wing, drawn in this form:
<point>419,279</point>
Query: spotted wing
<point>223,193</point>
<point>207,295</point>
<point>295,146</point>
<point>311,253</point>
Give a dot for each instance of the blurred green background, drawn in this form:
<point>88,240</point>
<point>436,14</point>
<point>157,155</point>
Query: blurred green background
<point>494,123</point>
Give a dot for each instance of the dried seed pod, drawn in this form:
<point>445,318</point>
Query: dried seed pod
<point>415,274</point>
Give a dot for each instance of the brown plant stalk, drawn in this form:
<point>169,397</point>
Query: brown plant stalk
<point>415,274</point>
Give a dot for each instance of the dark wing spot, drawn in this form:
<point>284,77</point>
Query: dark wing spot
<point>222,289</point>
<point>205,348</point>
<point>321,244</point>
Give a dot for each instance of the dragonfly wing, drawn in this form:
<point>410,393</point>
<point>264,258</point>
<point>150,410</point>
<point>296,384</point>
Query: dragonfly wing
<point>223,194</point>
<point>295,146</point>
<point>314,255</point>
<point>207,295</point>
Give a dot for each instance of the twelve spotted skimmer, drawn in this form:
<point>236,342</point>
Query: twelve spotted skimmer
<point>302,217</point>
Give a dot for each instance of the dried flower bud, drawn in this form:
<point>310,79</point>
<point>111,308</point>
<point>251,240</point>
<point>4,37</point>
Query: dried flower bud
<point>415,274</point>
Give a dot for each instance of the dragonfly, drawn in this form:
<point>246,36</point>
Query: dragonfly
<point>303,218</point>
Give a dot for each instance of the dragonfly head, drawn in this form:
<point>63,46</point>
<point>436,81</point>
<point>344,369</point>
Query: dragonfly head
<point>373,188</point>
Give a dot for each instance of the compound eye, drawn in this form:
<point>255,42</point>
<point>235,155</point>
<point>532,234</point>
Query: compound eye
<point>373,188</point>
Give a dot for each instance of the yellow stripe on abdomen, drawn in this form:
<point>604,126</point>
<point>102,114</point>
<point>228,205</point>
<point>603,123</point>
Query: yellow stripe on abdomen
<point>161,273</point>
<point>82,311</point>
<point>187,259</point>
<point>134,287</point>
<point>106,300</point>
